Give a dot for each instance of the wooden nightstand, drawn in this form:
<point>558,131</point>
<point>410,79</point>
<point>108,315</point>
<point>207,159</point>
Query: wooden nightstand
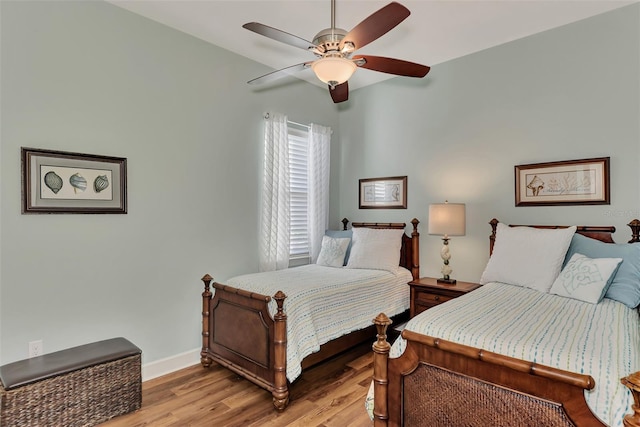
<point>426,292</point>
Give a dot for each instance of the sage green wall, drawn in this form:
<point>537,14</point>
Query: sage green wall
<point>90,77</point>
<point>568,93</point>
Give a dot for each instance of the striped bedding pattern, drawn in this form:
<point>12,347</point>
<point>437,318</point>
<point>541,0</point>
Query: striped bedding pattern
<point>324,303</point>
<point>600,340</point>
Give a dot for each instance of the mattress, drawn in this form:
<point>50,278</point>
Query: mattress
<point>601,340</point>
<point>324,303</point>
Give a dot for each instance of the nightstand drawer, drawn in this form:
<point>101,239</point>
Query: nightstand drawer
<point>427,292</point>
<point>429,299</point>
<point>419,308</point>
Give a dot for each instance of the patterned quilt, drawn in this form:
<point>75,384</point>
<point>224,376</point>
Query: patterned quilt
<point>601,340</point>
<point>324,303</point>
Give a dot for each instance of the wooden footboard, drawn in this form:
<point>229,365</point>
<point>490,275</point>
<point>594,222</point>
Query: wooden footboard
<point>438,383</point>
<point>239,333</point>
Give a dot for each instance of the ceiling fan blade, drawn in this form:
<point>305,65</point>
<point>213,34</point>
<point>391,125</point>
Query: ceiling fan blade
<point>376,25</point>
<point>279,35</point>
<point>274,75</point>
<point>393,66</point>
<point>340,93</point>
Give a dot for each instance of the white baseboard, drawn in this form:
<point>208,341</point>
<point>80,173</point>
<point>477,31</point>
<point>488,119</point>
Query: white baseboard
<point>170,364</point>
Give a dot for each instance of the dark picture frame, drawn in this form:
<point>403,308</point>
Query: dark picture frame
<point>568,182</point>
<point>383,193</point>
<point>72,183</point>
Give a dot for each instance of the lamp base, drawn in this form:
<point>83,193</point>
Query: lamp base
<point>447,281</point>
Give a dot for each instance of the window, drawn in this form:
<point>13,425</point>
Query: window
<point>294,212</point>
<point>298,179</point>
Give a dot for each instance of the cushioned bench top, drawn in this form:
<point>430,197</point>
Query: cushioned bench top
<point>49,365</point>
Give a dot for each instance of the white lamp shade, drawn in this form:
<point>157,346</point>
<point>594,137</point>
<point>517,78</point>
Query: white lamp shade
<point>333,70</point>
<point>447,219</point>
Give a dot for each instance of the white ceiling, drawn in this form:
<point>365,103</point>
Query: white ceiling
<point>436,31</point>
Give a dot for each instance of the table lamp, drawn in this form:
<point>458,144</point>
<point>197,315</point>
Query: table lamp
<point>446,219</point>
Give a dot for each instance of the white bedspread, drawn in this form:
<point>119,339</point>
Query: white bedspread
<point>600,340</point>
<point>324,303</point>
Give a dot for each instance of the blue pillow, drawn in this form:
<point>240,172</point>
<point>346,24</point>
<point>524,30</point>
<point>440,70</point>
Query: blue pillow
<point>342,234</point>
<point>625,286</point>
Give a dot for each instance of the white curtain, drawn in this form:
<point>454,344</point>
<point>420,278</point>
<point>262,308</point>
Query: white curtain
<point>318,206</point>
<point>274,223</point>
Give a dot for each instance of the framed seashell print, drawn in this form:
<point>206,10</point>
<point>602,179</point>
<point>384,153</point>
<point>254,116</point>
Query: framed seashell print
<point>568,182</point>
<point>64,182</point>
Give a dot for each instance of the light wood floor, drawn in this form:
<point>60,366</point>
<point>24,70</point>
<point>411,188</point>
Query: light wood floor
<point>327,395</point>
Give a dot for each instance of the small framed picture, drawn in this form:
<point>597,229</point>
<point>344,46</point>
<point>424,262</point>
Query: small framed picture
<point>383,193</point>
<point>569,182</point>
<point>63,182</point>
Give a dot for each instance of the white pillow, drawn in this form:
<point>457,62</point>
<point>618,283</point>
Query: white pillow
<point>527,256</point>
<point>376,249</point>
<point>332,251</point>
<point>585,279</point>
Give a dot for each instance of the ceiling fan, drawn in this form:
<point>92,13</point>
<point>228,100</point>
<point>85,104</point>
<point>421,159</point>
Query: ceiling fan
<point>335,49</point>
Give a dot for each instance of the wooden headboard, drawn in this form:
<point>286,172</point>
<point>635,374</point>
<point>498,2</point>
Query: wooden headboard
<point>598,232</point>
<point>410,249</point>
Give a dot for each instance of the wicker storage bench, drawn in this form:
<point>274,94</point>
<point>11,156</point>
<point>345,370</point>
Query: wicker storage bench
<point>80,386</point>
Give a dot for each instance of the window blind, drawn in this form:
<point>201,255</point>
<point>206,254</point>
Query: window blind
<point>298,165</point>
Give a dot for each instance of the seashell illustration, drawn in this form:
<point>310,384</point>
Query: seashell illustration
<point>536,185</point>
<point>100,183</point>
<point>78,182</point>
<point>53,181</point>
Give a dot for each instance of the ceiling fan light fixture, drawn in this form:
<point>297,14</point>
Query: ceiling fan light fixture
<point>333,70</point>
<point>335,47</point>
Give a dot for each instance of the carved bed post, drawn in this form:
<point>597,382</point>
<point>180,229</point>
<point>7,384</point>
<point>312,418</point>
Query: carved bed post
<point>415,250</point>
<point>635,231</point>
<point>280,390</point>
<point>492,238</point>
<point>633,383</point>
<point>345,221</point>
<point>206,300</point>
<point>380,374</point>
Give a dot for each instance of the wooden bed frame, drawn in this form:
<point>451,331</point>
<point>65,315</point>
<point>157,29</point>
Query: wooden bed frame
<point>239,333</point>
<point>436,382</point>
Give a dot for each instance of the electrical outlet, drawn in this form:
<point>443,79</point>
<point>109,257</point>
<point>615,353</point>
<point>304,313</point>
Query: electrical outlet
<point>35,348</point>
